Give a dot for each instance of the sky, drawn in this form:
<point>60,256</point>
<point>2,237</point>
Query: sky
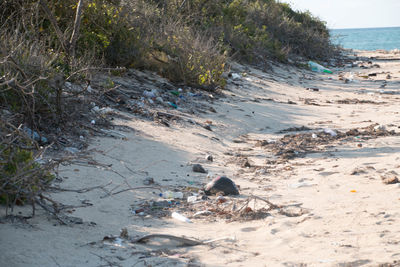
<point>341,14</point>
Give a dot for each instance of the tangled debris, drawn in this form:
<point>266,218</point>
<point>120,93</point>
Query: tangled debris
<point>354,101</point>
<point>298,145</point>
<point>201,207</point>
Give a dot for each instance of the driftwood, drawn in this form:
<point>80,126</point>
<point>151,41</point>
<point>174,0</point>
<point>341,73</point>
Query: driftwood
<point>184,241</point>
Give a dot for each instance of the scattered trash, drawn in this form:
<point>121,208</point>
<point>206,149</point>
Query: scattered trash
<point>298,145</point>
<point>221,184</point>
<point>353,191</point>
<point>172,104</point>
<point>202,213</point>
<point>103,111</point>
<point>194,94</point>
<point>150,94</point>
<point>314,136</point>
<point>191,199</point>
<point>180,217</point>
<point>170,195</point>
<point>175,93</point>
<point>93,122</point>
<point>293,129</point>
<point>380,128</point>
<point>71,150</point>
<point>35,135</point>
<point>330,131</point>
<point>236,76</point>
<point>198,168</point>
<point>220,199</point>
<point>318,68</point>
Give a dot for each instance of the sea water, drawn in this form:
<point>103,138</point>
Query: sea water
<point>367,38</point>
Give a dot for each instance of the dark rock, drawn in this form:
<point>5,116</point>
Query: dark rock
<point>209,158</point>
<point>246,164</point>
<point>198,168</point>
<point>207,127</point>
<point>221,184</point>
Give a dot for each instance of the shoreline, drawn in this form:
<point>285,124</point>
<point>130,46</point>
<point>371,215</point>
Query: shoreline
<point>335,191</point>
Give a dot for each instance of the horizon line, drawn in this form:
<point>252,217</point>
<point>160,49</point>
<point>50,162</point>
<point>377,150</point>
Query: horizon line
<point>356,28</point>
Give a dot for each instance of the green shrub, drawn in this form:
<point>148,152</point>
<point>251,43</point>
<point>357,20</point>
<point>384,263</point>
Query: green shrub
<point>21,178</point>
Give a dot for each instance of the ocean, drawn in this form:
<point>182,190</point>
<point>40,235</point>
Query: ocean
<point>367,38</point>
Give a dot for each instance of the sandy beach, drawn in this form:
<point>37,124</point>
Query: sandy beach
<point>316,157</point>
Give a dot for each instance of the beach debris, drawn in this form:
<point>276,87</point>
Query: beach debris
<point>192,199</point>
<point>198,168</point>
<point>71,150</point>
<point>380,127</point>
<point>188,242</point>
<point>236,76</point>
<point>295,129</point>
<point>124,233</point>
<point>35,135</point>
<point>182,240</point>
<point>150,94</point>
<point>221,184</point>
<point>318,68</point>
<point>180,217</point>
<point>202,213</point>
<point>172,105</point>
<point>207,127</point>
<point>390,178</point>
<point>148,181</point>
<point>298,145</point>
<point>171,194</point>
<point>330,131</point>
<point>209,157</point>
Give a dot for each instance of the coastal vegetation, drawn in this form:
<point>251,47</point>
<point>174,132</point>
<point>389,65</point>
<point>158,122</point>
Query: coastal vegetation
<point>45,44</point>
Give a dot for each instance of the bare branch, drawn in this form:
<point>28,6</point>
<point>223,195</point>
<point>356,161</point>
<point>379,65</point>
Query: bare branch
<point>77,24</point>
<point>54,23</point>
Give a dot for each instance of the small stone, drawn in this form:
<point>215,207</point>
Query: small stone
<point>124,233</point>
<point>148,181</point>
<point>207,127</point>
<point>213,110</point>
<point>390,179</point>
<point>198,168</point>
<point>246,164</point>
<point>209,157</point>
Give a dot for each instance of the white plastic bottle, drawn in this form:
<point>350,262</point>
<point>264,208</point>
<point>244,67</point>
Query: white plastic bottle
<point>170,195</point>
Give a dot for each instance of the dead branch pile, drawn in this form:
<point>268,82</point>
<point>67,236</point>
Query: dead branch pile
<point>297,145</point>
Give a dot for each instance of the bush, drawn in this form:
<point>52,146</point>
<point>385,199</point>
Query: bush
<point>22,178</point>
<point>185,41</point>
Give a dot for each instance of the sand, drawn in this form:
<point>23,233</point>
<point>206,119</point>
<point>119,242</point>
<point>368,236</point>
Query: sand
<point>349,217</point>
